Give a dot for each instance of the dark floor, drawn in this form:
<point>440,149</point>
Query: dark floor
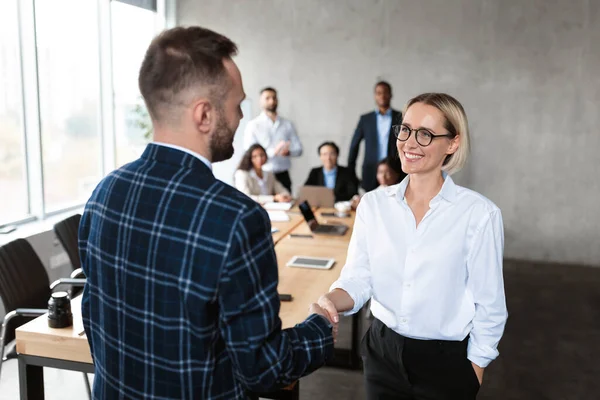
<point>552,334</point>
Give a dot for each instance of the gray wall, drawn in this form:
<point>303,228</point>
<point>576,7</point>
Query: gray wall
<point>527,72</point>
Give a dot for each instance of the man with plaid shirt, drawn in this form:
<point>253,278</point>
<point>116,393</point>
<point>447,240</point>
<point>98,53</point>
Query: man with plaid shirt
<point>181,298</point>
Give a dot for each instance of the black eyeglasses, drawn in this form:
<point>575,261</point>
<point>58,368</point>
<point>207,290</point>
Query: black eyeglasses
<point>424,136</point>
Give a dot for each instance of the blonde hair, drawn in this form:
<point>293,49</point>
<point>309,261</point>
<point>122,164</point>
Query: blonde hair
<point>455,122</point>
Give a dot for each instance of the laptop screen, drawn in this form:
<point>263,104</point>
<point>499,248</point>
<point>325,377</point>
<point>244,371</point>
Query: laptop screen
<point>306,212</point>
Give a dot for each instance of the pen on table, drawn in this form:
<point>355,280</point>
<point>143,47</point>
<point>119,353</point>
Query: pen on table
<point>301,235</point>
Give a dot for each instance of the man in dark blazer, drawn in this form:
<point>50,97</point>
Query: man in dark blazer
<point>342,180</point>
<point>181,296</point>
<point>376,130</point>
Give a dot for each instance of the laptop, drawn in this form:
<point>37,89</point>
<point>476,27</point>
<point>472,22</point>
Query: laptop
<point>318,196</point>
<point>315,227</point>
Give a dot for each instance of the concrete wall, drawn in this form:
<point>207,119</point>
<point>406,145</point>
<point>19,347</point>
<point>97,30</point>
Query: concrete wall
<point>527,72</point>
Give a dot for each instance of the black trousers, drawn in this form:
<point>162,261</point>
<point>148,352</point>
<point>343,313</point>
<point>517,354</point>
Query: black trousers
<point>396,367</point>
<point>284,178</point>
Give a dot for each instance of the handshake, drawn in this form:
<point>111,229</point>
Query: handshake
<point>330,305</point>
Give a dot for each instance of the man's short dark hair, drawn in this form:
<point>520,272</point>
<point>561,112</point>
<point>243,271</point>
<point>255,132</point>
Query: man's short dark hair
<point>384,83</point>
<point>331,144</point>
<point>179,59</point>
<point>268,89</point>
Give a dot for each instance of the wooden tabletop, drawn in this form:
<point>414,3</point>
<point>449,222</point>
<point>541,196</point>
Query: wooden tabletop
<point>324,240</point>
<point>35,338</point>
<point>305,285</point>
<point>286,227</point>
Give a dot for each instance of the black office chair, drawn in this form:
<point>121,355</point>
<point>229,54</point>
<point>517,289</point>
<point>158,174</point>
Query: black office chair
<point>67,233</point>
<point>25,290</point>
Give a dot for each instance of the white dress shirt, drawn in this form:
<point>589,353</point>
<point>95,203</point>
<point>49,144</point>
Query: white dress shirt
<point>441,280</point>
<point>268,133</point>
<point>185,150</point>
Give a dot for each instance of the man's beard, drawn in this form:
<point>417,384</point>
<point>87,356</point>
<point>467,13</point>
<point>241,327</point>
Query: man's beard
<point>221,144</point>
<point>272,108</point>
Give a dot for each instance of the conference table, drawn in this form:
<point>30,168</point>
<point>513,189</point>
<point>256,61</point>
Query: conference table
<point>39,346</point>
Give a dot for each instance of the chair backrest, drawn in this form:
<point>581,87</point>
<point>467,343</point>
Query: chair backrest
<point>24,282</point>
<point>67,233</point>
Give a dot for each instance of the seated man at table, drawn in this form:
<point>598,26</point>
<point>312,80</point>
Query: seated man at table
<point>342,180</point>
<point>181,297</point>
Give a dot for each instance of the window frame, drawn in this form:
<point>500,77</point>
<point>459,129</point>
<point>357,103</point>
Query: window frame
<point>30,107</point>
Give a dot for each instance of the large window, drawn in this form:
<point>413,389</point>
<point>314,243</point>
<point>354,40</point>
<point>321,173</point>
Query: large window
<point>69,90</point>
<point>129,46</point>
<point>13,177</point>
<point>70,109</point>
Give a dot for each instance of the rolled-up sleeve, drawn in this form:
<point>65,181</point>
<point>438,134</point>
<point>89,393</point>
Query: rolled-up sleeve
<point>295,143</point>
<point>355,278</point>
<point>486,284</point>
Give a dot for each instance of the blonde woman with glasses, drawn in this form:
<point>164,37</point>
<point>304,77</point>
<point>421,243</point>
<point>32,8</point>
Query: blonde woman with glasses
<point>428,253</point>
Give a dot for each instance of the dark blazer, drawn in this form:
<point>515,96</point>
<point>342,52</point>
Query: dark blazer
<point>346,182</point>
<point>182,285</point>
<point>367,130</point>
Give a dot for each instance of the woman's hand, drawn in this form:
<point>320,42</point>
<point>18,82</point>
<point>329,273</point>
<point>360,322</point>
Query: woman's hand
<point>282,198</point>
<point>354,201</point>
<point>317,309</point>
<point>328,305</point>
<point>335,302</point>
<point>332,314</point>
<point>478,372</point>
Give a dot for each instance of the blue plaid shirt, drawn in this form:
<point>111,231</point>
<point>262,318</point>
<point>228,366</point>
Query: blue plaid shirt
<point>181,299</point>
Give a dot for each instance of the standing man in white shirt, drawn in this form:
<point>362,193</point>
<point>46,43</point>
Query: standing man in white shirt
<point>428,253</point>
<point>277,135</point>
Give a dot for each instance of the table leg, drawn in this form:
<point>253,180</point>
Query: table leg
<point>31,381</point>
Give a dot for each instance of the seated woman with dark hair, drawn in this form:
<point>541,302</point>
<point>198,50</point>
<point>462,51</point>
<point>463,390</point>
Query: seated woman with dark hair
<point>342,180</point>
<point>253,181</point>
<point>386,176</point>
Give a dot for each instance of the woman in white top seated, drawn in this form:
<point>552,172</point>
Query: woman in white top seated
<point>260,185</point>
<point>428,253</point>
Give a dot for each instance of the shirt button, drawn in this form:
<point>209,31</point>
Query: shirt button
<point>403,320</point>
<point>408,285</point>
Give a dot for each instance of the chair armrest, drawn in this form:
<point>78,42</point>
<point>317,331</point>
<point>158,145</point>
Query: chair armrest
<point>67,281</point>
<point>19,312</point>
<point>24,312</point>
<point>78,274</point>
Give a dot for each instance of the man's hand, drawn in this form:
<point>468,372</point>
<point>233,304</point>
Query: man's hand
<point>317,309</point>
<point>282,198</point>
<point>280,148</point>
<point>285,148</point>
<point>478,372</point>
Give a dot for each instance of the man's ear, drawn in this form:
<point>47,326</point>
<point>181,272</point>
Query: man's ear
<point>204,115</point>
